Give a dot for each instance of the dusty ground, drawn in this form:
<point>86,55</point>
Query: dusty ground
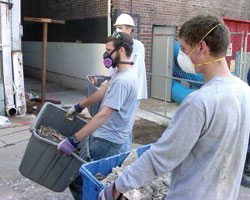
<point>145,131</point>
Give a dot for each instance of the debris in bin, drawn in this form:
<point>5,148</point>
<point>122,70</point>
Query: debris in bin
<point>103,84</point>
<point>53,135</point>
<point>93,80</point>
<point>97,83</point>
<point>155,190</point>
<point>50,133</point>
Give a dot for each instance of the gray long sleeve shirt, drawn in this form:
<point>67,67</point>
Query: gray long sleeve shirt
<point>204,145</point>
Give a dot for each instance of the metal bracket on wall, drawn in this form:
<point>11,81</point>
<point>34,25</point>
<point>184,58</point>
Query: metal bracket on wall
<point>10,4</point>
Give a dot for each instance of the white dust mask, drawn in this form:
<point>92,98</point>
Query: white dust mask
<point>185,63</point>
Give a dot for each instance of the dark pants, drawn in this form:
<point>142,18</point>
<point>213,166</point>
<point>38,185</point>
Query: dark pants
<point>98,149</point>
<point>247,162</point>
<point>248,77</point>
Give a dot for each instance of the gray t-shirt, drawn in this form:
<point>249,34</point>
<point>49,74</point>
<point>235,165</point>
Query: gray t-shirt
<point>120,95</point>
<point>204,145</point>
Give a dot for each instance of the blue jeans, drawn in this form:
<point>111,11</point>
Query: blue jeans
<point>98,148</point>
<point>127,145</point>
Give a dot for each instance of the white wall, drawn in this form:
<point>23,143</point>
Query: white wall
<point>68,64</point>
<point>1,89</point>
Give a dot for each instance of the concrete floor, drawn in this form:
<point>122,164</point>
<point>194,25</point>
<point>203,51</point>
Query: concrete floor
<point>14,139</point>
<point>13,186</point>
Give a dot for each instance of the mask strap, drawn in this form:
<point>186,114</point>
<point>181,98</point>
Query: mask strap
<point>205,63</point>
<point>123,62</point>
<point>204,37</point>
<point>115,49</point>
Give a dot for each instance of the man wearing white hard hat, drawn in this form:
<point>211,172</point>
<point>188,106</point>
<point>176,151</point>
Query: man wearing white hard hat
<point>125,23</point>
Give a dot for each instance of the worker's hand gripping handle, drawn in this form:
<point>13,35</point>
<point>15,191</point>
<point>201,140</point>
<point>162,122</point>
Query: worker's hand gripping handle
<point>107,193</point>
<point>72,111</point>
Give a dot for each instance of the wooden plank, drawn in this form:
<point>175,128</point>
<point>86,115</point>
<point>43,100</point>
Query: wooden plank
<point>57,21</point>
<point>33,19</point>
<point>46,20</point>
<point>44,59</point>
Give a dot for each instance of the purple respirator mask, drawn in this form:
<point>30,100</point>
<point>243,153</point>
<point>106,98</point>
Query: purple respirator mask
<point>108,61</point>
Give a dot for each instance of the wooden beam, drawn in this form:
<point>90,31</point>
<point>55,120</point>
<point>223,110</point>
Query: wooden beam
<point>45,36</point>
<point>33,19</point>
<point>45,20</point>
<point>57,21</point>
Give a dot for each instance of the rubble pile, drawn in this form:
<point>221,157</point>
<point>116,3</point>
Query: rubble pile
<point>155,190</point>
<point>50,134</point>
<point>53,135</point>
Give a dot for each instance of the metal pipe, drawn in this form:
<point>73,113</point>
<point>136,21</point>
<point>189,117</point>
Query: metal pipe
<point>241,55</point>
<point>17,59</point>
<point>245,60</point>
<point>10,107</point>
<point>16,26</point>
<point>174,78</point>
<point>19,82</point>
<point>45,36</point>
<point>109,18</point>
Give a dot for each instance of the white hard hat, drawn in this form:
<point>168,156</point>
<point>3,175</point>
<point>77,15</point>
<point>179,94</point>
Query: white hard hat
<point>124,19</point>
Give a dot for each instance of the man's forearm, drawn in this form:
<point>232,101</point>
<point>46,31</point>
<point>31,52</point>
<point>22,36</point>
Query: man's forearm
<point>98,120</point>
<point>95,97</point>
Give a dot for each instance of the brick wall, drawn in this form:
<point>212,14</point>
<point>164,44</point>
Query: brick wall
<point>161,12</point>
<point>86,21</point>
<point>175,13</point>
<point>73,9</point>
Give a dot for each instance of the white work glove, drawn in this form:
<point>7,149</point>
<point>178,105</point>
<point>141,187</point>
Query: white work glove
<point>73,110</point>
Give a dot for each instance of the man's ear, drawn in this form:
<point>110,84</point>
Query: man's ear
<point>203,47</point>
<point>122,50</point>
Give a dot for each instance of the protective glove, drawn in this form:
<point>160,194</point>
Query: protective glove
<point>107,193</point>
<point>67,146</point>
<point>73,110</point>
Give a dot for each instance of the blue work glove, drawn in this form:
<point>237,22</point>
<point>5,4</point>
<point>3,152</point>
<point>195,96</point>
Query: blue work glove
<point>67,146</point>
<point>107,193</point>
<point>78,108</point>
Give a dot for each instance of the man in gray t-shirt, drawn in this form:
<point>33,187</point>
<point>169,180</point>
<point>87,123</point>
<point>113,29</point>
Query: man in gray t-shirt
<point>120,96</point>
<point>112,124</point>
<point>205,143</point>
